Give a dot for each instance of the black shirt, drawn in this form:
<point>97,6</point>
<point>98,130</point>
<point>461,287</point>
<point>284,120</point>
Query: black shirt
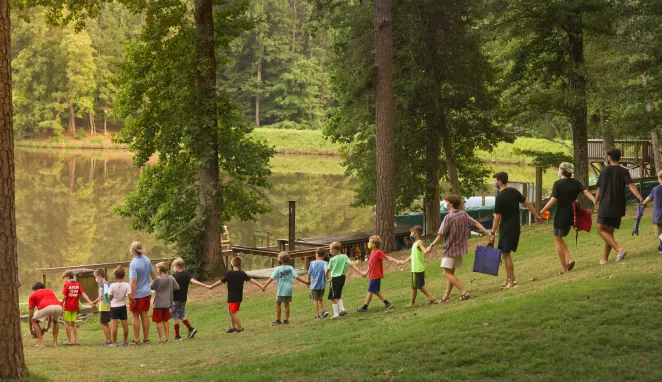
<point>612,183</point>
<point>507,205</point>
<point>565,191</point>
<point>235,280</point>
<point>183,279</point>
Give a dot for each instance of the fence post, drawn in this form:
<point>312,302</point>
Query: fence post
<point>291,237</point>
<point>539,188</point>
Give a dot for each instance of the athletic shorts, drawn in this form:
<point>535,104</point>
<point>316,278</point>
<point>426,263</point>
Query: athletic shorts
<point>233,307</point>
<point>142,304</point>
<point>118,313</point>
<point>417,280</point>
<point>562,232</point>
<point>375,286</point>
<point>335,288</point>
<point>281,299</point>
<point>614,223</point>
<point>508,244</point>
<point>317,294</point>
<point>178,310</point>
<point>452,262</point>
<point>70,316</point>
<point>104,317</point>
<point>52,311</point>
<point>160,314</point>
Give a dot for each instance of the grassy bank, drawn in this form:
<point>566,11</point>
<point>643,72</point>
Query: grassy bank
<point>595,323</point>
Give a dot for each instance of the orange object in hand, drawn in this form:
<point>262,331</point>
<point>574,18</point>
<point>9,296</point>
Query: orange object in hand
<point>546,215</point>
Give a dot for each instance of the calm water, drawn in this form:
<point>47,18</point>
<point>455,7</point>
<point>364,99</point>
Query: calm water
<point>65,204</point>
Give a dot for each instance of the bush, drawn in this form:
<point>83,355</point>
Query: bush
<point>81,134</point>
<point>57,138</point>
<point>97,140</point>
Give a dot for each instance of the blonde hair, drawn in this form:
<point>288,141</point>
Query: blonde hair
<point>100,272</point>
<point>162,267</point>
<point>659,174</point>
<point>376,241</point>
<point>284,257</point>
<point>336,245</point>
<point>178,263</point>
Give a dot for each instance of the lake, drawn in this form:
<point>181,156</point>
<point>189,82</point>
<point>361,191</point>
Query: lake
<point>65,203</point>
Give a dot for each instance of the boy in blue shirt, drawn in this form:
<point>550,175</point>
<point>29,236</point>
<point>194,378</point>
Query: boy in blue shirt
<point>285,274</point>
<point>317,281</point>
<point>656,197</point>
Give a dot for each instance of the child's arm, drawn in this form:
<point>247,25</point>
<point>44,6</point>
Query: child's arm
<point>132,300</point>
<point>175,285</point>
<point>257,283</point>
<point>87,298</point>
<point>389,258</point>
<point>264,287</point>
<point>198,283</point>
<point>214,285</point>
<point>327,273</point>
<point>408,259</point>
<point>356,269</point>
<point>645,203</point>
<point>302,280</point>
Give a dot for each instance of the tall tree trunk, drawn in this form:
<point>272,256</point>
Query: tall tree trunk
<point>608,140</point>
<point>384,137</point>
<point>72,116</point>
<point>294,28</point>
<point>72,173</point>
<point>577,100</point>
<point>257,96</point>
<point>105,117</point>
<point>654,137</point>
<point>93,163</point>
<point>11,345</point>
<point>210,191</point>
<point>451,163</point>
<point>431,199</point>
<point>93,130</point>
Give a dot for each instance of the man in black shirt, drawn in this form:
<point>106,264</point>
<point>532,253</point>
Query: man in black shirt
<point>507,220</point>
<point>611,202</point>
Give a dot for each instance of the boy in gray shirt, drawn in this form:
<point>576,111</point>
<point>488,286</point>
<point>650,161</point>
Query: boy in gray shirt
<point>164,286</point>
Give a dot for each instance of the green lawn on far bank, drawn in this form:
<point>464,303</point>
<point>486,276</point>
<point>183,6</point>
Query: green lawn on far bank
<point>596,323</point>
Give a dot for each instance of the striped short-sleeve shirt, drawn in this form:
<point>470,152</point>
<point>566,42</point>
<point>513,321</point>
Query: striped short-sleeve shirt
<point>455,229</point>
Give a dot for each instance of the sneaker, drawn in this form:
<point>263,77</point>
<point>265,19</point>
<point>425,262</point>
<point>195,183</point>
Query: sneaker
<point>239,330</point>
<point>512,284</point>
<point>621,255</point>
<point>342,313</point>
<point>178,338</point>
<point>286,322</point>
<point>317,318</point>
<point>231,330</point>
<point>325,314</point>
<point>161,342</point>
<point>335,317</point>
<point>362,309</point>
<point>505,284</point>
<point>192,332</point>
<point>389,306</point>
<point>276,323</point>
<point>123,344</point>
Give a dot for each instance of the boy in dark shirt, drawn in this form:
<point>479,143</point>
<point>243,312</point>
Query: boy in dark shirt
<point>235,279</point>
<point>656,197</point>
<point>611,202</point>
<point>179,297</point>
<point>507,220</point>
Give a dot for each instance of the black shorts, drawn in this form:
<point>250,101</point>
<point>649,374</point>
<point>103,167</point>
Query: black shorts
<point>563,232</point>
<point>335,288</point>
<point>508,244</point>
<point>118,313</point>
<point>417,280</point>
<point>104,317</point>
<point>614,223</point>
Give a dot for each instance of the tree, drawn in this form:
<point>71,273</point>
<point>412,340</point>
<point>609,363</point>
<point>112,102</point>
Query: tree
<point>80,70</point>
<point>11,346</point>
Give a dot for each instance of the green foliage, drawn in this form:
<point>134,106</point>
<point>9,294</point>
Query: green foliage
<point>159,99</point>
<point>81,134</point>
<point>97,140</point>
<point>545,159</point>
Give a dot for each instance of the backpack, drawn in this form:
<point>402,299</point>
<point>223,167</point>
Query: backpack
<point>582,220</point>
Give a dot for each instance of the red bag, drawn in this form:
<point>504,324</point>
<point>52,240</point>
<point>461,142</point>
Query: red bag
<point>583,221</point>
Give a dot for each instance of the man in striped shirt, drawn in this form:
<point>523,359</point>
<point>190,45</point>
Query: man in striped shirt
<point>455,231</point>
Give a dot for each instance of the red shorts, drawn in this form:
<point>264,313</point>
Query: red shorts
<point>142,304</point>
<point>160,314</point>
<point>234,306</point>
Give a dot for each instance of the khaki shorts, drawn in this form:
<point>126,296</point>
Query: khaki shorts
<point>53,311</point>
<point>452,262</point>
<point>658,229</point>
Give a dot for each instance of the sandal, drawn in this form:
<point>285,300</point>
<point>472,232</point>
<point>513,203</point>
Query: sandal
<point>432,302</point>
<point>134,342</point>
<point>563,273</point>
<point>571,265</point>
<point>464,297</point>
<point>443,300</point>
<point>145,342</point>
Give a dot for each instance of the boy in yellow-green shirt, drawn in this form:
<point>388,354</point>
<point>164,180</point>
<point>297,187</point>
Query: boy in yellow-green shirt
<point>417,259</point>
<point>336,272</point>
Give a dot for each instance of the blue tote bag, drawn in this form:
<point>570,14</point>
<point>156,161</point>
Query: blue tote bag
<point>487,260</point>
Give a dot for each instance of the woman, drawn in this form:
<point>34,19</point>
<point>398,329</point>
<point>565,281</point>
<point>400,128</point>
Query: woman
<point>565,192</point>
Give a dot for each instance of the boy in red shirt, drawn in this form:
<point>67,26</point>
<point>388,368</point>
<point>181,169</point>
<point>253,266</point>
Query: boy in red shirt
<point>48,308</point>
<point>71,299</point>
<point>375,273</point>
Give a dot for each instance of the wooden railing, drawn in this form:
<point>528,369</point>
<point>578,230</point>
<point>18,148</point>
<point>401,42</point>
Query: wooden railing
<point>631,151</point>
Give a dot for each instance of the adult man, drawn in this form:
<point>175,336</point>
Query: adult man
<point>508,221</point>
<point>140,271</point>
<point>611,202</point>
<point>48,307</point>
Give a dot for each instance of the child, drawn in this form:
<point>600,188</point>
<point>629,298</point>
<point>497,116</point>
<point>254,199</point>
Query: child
<point>656,197</point>
<point>118,293</point>
<point>104,304</point>
<point>317,281</point>
<point>178,311</point>
<point>336,273</point>
<point>71,301</point>
<point>376,273</point>
<point>235,279</point>
<point>164,285</point>
<point>418,266</point>
<point>285,274</point>
<point>455,230</point>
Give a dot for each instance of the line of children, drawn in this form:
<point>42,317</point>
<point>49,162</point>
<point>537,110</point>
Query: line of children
<point>164,285</point>
<point>285,274</point>
<point>119,293</point>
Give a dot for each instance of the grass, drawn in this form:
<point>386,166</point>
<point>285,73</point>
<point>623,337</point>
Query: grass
<point>288,141</point>
<point>595,323</point>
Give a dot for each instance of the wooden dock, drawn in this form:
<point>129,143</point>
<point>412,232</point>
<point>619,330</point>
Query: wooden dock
<point>349,238</point>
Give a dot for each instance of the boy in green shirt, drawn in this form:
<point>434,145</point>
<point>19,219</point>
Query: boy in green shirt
<point>336,272</point>
<point>417,259</point>
<point>104,304</point>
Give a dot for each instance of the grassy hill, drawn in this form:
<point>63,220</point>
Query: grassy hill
<point>596,323</point>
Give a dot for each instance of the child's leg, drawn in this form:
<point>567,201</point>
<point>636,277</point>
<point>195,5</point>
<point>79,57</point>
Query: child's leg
<point>176,326</point>
<point>37,330</point>
<point>450,276</point>
<point>323,305</point>
<point>67,328</point>
<point>412,302</point>
<point>159,330</point>
<point>427,293</point>
<point>317,307</point>
<point>56,329</point>
<point>368,298</point>
<point>74,330</point>
<point>166,324</point>
<point>106,331</point>
<point>287,311</point>
<point>334,305</point>
<point>381,296</point>
<point>278,311</point>
<point>125,328</point>
<point>236,320</point>
<point>449,288</point>
<point>341,305</point>
<point>114,331</point>
<point>560,250</point>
